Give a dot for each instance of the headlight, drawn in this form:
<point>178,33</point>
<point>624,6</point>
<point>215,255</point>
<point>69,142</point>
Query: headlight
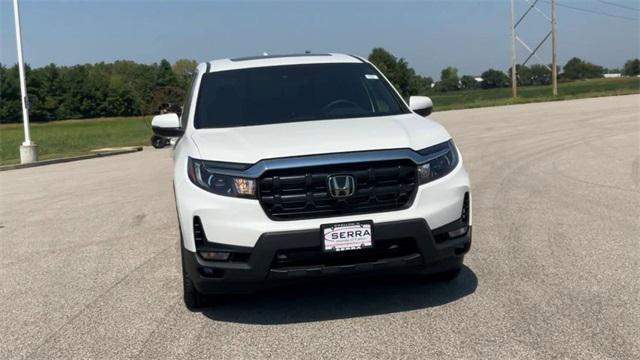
<point>440,160</point>
<point>206,178</point>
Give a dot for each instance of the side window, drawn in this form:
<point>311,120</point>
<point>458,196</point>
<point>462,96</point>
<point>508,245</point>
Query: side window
<point>186,109</point>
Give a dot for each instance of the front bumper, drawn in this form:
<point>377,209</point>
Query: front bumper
<point>241,222</point>
<point>421,252</point>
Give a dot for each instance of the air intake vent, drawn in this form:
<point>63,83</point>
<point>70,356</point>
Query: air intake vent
<point>465,209</point>
<point>198,231</point>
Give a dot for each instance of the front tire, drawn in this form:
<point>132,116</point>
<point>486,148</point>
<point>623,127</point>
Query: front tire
<point>158,142</point>
<point>193,299</point>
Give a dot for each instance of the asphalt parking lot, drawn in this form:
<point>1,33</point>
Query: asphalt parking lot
<point>90,269</point>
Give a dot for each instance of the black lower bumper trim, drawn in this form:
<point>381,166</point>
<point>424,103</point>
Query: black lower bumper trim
<point>259,271</point>
<point>399,262</point>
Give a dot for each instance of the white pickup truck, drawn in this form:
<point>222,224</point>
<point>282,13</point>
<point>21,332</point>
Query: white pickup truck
<point>289,168</point>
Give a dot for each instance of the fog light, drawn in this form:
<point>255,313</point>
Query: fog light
<point>215,255</point>
<point>457,232</point>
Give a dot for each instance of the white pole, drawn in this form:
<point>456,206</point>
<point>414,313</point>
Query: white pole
<point>28,150</point>
<point>514,78</point>
<point>554,70</point>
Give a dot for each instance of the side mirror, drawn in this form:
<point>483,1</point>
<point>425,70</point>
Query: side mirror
<point>421,105</point>
<point>167,125</point>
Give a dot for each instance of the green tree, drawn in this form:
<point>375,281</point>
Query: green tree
<point>404,77</point>
<point>165,75</point>
<point>631,68</point>
<point>49,92</point>
<point>73,81</point>
<point>399,73</point>
<point>396,70</point>
<point>494,79</point>
<point>523,74</point>
<point>449,80</point>
<point>121,88</point>
<point>121,99</point>
<point>10,103</point>
<point>166,88</point>
<point>540,75</point>
<point>577,68</point>
<point>420,84</point>
<point>184,70</point>
<point>384,61</point>
<point>468,82</point>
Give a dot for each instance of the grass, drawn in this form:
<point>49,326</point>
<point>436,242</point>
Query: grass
<point>528,94</point>
<point>76,137</point>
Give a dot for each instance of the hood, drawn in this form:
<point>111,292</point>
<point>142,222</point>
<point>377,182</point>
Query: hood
<point>251,144</point>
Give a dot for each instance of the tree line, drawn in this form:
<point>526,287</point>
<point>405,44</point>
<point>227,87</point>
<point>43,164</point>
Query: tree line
<point>126,88</point>
<point>397,70</point>
<point>121,88</point>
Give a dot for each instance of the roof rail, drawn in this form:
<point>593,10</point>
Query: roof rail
<point>247,58</point>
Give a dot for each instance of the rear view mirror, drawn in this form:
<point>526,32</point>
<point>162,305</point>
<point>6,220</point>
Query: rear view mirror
<point>421,105</point>
<point>167,125</point>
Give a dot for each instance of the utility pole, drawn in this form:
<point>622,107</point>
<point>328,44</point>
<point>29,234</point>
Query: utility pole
<point>533,52</point>
<point>554,66</point>
<point>28,150</point>
<point>514,82</point>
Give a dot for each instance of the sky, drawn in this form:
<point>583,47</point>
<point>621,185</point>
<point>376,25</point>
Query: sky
<point>431,35</point>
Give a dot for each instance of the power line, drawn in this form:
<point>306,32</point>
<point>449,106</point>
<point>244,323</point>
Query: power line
<point>618,5</point>
<point>593,11</point>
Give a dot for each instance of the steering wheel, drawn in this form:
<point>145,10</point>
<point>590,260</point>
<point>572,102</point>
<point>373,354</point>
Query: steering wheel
<point>340,103</point>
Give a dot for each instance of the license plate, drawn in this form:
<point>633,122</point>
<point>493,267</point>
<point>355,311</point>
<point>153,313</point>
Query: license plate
<point>347,236</point>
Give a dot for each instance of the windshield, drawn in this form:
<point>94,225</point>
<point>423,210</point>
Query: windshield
<point>280,94</point>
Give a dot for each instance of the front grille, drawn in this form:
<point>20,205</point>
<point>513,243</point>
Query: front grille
<point>303,193</point>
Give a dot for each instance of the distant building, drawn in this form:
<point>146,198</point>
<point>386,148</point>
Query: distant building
<point>478,79</point>
<point>612,75</point>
